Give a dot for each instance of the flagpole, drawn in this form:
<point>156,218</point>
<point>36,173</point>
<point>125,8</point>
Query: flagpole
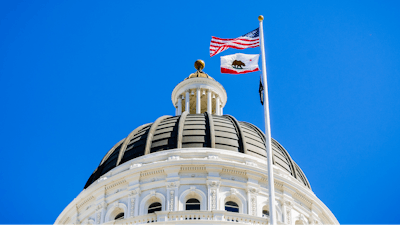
<point>271,188</point>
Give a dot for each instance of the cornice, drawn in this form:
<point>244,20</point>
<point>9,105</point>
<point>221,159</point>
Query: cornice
<point>83,202</point>
<point>197,159</point>
<point>115,184</point>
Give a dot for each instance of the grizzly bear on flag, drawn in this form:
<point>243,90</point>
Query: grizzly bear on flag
<point>238,64</point>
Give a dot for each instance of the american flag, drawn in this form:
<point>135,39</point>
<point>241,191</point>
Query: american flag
<point>249,40</point>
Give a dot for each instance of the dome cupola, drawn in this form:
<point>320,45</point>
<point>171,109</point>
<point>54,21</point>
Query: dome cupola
<point>199,93</point>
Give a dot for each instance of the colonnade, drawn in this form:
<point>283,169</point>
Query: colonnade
<point>184,100</point>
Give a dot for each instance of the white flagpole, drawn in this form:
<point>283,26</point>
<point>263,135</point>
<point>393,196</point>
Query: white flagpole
<point>271,188</point>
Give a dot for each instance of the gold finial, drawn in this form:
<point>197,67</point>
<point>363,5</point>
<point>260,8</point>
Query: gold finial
<point>260,18</point>
<point>199,65</point>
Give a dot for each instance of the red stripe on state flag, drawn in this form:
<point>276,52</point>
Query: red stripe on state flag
<point>226,70</point>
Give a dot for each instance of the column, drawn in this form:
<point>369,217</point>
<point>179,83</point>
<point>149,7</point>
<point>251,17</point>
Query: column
<point>222,109</point>
<point>198,101</point>
<point>217,105</point>
<point>187,101</point>
<point>209,102</point>
<point>179,105</point>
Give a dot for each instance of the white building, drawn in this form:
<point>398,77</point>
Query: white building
<point>198,167</point>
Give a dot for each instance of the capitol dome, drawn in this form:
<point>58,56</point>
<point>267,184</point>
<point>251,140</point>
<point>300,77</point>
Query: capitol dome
<point>199,166</point>
<point>196,131</point>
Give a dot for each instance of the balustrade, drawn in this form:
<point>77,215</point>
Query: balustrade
<point>181,217</point>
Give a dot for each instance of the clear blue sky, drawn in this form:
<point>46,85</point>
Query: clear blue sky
<point>77,76</point>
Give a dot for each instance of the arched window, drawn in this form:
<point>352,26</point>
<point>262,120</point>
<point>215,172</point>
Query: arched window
<point>231,207</point>
<point>120,216</point>
<point>265,213</point>
<point>154,207</point>
<point>192,204</point>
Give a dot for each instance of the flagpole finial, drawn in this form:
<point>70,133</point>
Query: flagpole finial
<point>199,65</point>
<point>260,18</point>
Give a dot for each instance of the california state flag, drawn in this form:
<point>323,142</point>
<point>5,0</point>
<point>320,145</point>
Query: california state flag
<point>239,63</point>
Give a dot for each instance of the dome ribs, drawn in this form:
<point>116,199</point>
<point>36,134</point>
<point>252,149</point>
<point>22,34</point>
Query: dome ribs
<point>111,151</point>
<point>150,135</point>
<point>302,177</point>
<point>211,128</point>
<point>97,173</point>
<point>242,138</point>
<point>196,131</point>
<point>181,123</point>
<point>127,140</point>
<point>284,152</point>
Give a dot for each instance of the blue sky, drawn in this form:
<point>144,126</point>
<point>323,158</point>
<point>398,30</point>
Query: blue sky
<point>77,76</point>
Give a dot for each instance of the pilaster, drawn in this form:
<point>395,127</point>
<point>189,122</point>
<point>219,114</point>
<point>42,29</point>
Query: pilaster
<point>133,201</point>
<point>172,196</point>
<point>252,196</point>
<point>213,191</point>
<point>287,211</point>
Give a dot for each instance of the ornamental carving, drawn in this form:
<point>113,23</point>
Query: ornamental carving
<point>234,191</point>
<point>175,157</point>
<point>172,185</point>
<point>289,216</point>
<point>251,164</point>
<point>213,184</point>
<point>253,206</point>
<point>171,203</point>
<point>288,203</point>
<point>100,206</point>
<point>101,179</point>
<point>98,217</point>
<point>132,210</point>
<point>133,193</point>
<point>213,199</point>
<point>253,190</point>
<point>136,165</point>
<point>213,157</point>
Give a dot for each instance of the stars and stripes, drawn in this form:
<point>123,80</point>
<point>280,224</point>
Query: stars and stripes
<point>249,40</point>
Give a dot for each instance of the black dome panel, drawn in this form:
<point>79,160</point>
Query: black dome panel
<point>196,131</point>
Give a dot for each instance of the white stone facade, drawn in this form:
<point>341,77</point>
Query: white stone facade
<point>212,176</point>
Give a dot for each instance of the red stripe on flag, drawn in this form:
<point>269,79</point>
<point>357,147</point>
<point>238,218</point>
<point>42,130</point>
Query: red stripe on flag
<point>218,45</point>
<point>234,42</point>
<point>230,71</point>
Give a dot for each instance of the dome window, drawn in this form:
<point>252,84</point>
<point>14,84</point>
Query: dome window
<point>192,204</point>
<point>154,207</point>
<point>120,216</point>
<point>231,207</point>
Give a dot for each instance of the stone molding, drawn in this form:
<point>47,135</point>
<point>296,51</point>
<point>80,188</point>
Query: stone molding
<point>214,188</point>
